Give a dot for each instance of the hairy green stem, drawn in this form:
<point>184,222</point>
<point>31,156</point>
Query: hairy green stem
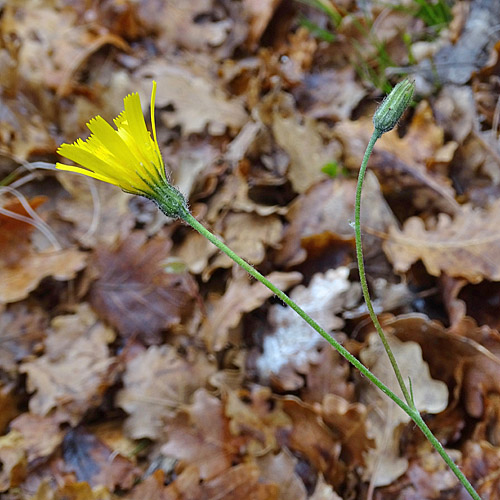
<point>361,266</point>
<point>410,410</point>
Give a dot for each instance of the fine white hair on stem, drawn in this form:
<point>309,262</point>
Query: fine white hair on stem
<point>34,219</point>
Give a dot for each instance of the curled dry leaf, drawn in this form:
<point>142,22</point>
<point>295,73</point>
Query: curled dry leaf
<point>74,372</point>
<point>384,463</point>
<point>242,296</point>
<point>199,435</point>
<point>311,438</point>
<point>456,356</point>
<point>467,246</point>
<point>292,346</point>
<point>327,208</point>
<point>257,420</point>
<point>134,293</point>
<point>156,382</point>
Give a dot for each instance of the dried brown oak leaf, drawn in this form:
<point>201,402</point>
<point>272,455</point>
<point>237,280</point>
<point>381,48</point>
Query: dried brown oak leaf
<point>242,296</point>
<point>467,246</point>
<point>306,149</point>
<point>134,293</point>
<point>291,346</point>
<point>281,469</point>
<point>237,483</point>
<point>22,267</point>
<point>74,372</point>
<point>199,435</point>
<point>456,356</point>
<point>22,330</point>
<point>248,235</point>
<point>326,209</point>
<point>311,438</point>
<point>211,109</point>
<point>384,463</point>
<point>156,382</point>
<point>95,463</point>
<point>348,422</point>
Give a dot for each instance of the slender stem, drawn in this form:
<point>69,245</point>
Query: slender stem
<point>408,409</point>
<point>414,414</point>
<point>361,266</point>
<point>191,220</point>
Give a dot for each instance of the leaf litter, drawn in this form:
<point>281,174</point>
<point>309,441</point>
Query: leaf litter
<point>137,362</point>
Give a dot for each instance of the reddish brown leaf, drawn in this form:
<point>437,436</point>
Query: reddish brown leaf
<point>133,291</point>
<point>312,439</point>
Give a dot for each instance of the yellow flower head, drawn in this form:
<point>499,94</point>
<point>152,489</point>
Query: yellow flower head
<point>127,157</point>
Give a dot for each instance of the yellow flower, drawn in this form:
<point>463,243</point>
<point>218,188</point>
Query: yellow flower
<point>127,157</point>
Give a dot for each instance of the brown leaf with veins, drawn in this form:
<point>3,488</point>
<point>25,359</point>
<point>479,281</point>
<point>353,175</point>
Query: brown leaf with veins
<point>456,356</point>
<point>199,435</point>
<point>156,382</point>
<point>348,421</point>
<point>242,295</point>
<point>306,149</point>
<point>328,374</point>
<point>178,82</point>
<point>467,246</point>
<point>248,235</point>
<point>96,464</point>
<point>74,372</point>
<point>133,291</point>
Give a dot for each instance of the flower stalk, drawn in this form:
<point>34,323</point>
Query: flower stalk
<point>130,158</point>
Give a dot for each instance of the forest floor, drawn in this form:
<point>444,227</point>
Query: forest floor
<point>137,362</point>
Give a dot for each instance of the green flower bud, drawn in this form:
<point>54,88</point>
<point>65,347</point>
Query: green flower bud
<point>393,106</point>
